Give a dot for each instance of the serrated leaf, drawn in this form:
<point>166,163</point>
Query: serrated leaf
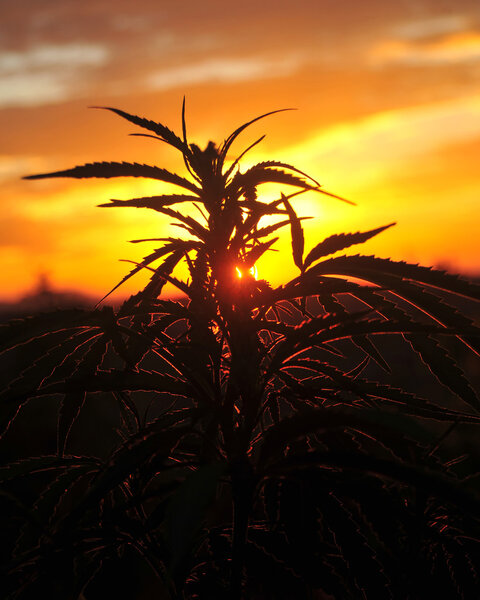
<point>365,267</point>
<point>444,367</point>
<point>39,464</point>
<point>154,441</point>
<point>72,403</point>
<point>437,309</point>
<point>424,300</point>
<point>413,404</point>
<point>230,170</point>
<point>118,380</point>
<point>282,165</point>
<point>364,567</point>
<point>32,381</point>
<point>344,330</point>
<point>311,421</point>
<point>308,333</point>
<point>193,225</point>
<point>187,511</point>
<point>257,251</point>
<point>67,366</point>
<point>153,202</point>
<point>44,507</point>
<point>270,557</point>
<point>338,242</point>
<point>163,132</point>
<point>433,482</point>
<point>106,170</point>
<point>266,231</point>
<point>461,566</point>
<point>328,376</point>
<point>175,257</point>
<point>19,331</point>
<point>303,286</point>
<point>232,137</point>
<point>332,305</point>
<point>256,176</point>
<point>129,413</point>
<point>298,240</point>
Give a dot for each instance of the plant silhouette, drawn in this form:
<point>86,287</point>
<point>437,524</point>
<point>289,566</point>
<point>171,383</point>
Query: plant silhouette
<point>276,459</point>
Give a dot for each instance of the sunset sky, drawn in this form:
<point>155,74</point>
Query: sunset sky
<point>388,99</point>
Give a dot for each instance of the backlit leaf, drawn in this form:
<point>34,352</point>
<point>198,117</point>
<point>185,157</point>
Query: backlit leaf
<point>338,242</point>
<point>298,241</point>
<point>106,170</point>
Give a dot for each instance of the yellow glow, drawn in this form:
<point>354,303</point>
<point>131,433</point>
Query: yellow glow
<point>462,46</point>
<point>415,164</point>
<point>252,270</point>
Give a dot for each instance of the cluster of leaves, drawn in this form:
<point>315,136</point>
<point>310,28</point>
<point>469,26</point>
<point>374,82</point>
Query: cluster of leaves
<point>272,465</point>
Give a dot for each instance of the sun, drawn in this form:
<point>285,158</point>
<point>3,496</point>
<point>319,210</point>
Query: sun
<point>252,271</point>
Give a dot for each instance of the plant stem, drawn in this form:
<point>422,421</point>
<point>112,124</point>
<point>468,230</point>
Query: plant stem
<point>242,491</point>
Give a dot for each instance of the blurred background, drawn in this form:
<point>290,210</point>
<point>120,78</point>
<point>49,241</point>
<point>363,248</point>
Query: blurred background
<point>388,116</point>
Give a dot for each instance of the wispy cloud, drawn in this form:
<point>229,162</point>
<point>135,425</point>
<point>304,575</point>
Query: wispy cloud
<point>373,147</point>
<point>223,70</point>
<point>46,73</point>
<point>433,26</point>
<point>34,89</point>
<point>69,55</point>
<point>13,167</point>
<point>454,48</point>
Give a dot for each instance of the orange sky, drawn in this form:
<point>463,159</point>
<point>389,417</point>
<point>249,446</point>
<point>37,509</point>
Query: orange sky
<point>388,101</point>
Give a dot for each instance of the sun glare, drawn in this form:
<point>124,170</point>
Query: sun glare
<point>253,272</point>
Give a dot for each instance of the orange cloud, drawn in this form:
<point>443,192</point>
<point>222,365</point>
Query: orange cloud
<point>223,70</point>
<point>458,47</point>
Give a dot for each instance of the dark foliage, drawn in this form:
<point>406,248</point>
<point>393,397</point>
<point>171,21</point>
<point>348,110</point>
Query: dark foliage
<point>262,449</point>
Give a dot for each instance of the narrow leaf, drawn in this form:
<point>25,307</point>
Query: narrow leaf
<point>335,243</point>
<point>257,251</point>
<point>258,175</point>
<point>40,464</point>
<point>444,367</point>
<point>298,240</point>
<point>107,170</point>
<point>72,402</point>
<point>366,267</point>
<point>237,160</point>
<point>231,138</point>
<point>153,202</point>
<point>176,256</point>
<point>18,331</point>
<point>163,132</point>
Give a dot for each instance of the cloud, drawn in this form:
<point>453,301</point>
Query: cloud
<point>70,55</point>
<point>46,73</point>
<point>376,146</point>
<point>13,167</point>
<point>33,89</point>
<point>223,70</point>
<point>434,26</point>
<point>455,48</point>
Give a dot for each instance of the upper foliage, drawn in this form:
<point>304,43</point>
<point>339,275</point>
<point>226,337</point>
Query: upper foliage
<point>268,400</point>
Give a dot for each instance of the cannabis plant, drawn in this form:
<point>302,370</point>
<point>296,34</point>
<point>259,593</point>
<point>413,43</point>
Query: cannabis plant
<point>265,446</point>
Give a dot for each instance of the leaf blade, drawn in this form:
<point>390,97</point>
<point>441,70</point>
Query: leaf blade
<point>107,170</point>
<point>338,242</point>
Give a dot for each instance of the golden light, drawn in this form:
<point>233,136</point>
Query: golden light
<point>253,272</point>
